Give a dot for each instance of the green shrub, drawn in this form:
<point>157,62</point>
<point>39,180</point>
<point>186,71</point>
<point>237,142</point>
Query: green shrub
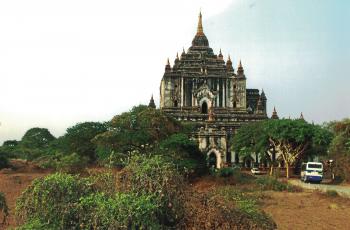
<point>272,183</point>
<point>103,182</point>
<point>37,224</point>
<point>4,162</point>
<point>332,193</point>
<point>156,176</point>
<point>225,172</point>
<point>52,200</point>
<point>122,211</point>
<point>3,207</point>
<point>247,205</point>
<point>72,163</point>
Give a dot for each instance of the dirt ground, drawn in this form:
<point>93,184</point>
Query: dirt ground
<point>308,210</point>
<point>14,181</point>
<point>302,210</point>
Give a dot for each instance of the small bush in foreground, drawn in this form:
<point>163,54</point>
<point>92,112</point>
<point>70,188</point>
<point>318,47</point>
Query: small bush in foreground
<point>225,172</point>
<point>122,211</point>
<point>52,200</point>
<point>247,205</point>
<point>271,183</point>
<point>159,177</point>
<point>332,193</point>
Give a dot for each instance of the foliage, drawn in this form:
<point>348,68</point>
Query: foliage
<point>3,207</point>
<point>10,143</point>
<point>225,172</point>
<point>156,176</point>
<point>247,205</point>
<point>184,153</point>
<point>339,149</point>
<point>290,139</point>
<point>122,211</point>
<point>137,130</point>
<point>150,199</point>
<point>272,183</point>
<point>4,162</point>
<point>37,224</point>
<point>78,139</point>
<point>71,163</point>
<point>37,138</point>
<point>52,200</point>
<point>332,193</point>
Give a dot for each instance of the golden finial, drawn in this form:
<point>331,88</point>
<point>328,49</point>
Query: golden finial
<point>200,26</point>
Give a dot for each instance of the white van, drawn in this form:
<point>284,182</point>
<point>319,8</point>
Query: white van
<point>311,171</point>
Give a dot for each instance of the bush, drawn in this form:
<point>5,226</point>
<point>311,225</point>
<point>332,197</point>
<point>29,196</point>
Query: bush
<point>3,207</point>
<point>332,193</point>
<point>72,163</point>
<point>225,172</point>
<point>271,183</point>
<point>247,205</point>
<point>122,211</point>
<point>4,162</point>
<point>52,200</point>
<point>156,176</point>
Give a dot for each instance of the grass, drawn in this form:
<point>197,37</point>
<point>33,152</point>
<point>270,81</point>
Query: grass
<point>332,193</point>
<point>272,183</point>
<point>246,203</point>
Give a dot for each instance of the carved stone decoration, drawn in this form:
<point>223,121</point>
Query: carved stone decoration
<point>204,94</point>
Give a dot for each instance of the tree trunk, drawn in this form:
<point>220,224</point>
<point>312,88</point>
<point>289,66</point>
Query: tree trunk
<point>287,169</point>
<point>271,169</point>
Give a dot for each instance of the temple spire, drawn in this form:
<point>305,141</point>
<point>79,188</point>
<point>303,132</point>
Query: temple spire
<point>301,116</point>
<point>167,66</point>
<point>240,70</point>
<point>274,114</point>
<point>200,26</point>
<point>151,103</point>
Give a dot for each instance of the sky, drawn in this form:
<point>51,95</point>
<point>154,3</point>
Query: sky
<point>69,61</point>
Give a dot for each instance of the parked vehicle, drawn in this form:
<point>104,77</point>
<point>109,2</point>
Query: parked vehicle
<point>311,172</point>
<point>255,171</point>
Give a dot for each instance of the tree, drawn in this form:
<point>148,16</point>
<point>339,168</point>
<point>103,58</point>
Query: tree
<point>288,139</point>
<point>78,139</point>
<point>10,143</point>
<point>251,138</point>
<point>137,130</point>
<point>339,149</point>
<point>292,139</point>
<point>37,138</point>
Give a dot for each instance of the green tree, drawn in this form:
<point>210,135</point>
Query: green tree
<point>137,131</point>
<point>339,149</point>
<point>78,139</point>
<point>291,139</point>
<point>37,138</point>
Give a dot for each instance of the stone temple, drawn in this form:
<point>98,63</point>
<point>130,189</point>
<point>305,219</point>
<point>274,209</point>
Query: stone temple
<point>204,89</point>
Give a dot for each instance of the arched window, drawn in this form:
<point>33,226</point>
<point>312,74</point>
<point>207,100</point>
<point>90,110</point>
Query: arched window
<point>204,109</point>
<point>234,104</point>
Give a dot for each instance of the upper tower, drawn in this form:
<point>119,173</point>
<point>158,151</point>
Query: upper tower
<point>200,39</point>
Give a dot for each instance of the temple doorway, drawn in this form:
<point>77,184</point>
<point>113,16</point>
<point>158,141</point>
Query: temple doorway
<point>204,109</point>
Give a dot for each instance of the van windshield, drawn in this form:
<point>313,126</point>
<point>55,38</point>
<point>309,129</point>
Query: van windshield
<point>314,166</point>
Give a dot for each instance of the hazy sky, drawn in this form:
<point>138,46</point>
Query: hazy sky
<point>68,61</point>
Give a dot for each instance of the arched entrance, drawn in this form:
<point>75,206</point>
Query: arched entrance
<point>204,109</point>
<point>214,158</point>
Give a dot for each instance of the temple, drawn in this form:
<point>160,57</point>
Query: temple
<point>204,89</point>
